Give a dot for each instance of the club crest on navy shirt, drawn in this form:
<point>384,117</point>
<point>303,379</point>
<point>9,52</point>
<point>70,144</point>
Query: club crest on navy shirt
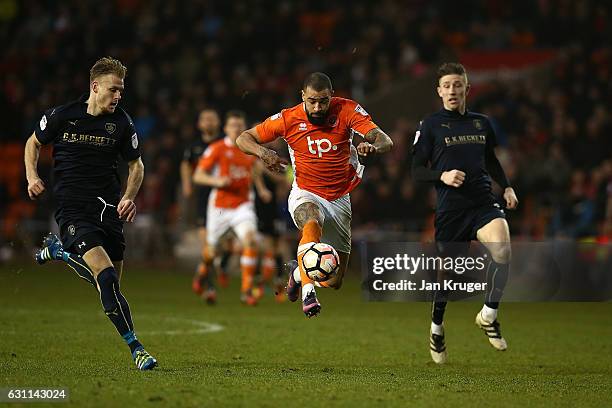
<point>110,128</point>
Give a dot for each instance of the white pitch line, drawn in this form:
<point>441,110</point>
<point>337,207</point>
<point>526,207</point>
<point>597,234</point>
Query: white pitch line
<point>199,326</point>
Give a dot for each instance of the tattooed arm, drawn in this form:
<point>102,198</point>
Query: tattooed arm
<point>376,141</point>
<point>248,142</point>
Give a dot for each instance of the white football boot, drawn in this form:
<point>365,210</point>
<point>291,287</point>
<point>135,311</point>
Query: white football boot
<point>437,348</point>
<point>493,332</point>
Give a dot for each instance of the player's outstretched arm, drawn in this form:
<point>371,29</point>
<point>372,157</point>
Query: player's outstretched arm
<point>127,208</point>
<point>203,178</point>
<point>248,142</point>
<point>376,141</point>
<point>32,150</point>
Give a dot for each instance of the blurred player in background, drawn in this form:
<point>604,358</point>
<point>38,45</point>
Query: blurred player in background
<point>231,174</point>
<point>268,218</point>
<point>209,126</point>
<point>88,136</point>
<point>459,145</point>
<point>319,133</point>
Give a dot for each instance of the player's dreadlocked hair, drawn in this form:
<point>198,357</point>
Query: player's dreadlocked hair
<point>451,68</point>
<point>318,81</point>
<point>107,65</point>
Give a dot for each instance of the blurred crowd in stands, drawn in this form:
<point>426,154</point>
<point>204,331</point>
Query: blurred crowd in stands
<point>253,55</point>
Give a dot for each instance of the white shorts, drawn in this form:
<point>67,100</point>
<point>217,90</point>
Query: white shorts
<point>241,219</point>
<point>337,217</point>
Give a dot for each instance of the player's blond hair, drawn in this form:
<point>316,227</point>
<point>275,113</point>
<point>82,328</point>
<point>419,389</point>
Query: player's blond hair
<point>107,65</point>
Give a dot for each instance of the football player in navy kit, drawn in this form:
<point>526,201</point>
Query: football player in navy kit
<point>88,136</point>
<point>459,147</point>
<point>209,127</point>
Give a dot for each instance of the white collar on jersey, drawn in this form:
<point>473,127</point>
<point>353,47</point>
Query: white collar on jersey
<point>228,141</point>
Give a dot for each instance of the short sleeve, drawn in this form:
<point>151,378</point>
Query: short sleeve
<point>130,146</point>
<point>359,120</point>
<point>271,128</point>
<point>208,159</point>
<point>47,128</point>
<point>423,140</point>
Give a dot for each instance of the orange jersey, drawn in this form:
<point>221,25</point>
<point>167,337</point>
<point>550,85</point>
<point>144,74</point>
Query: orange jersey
<point>222,158</point>
<point>323,157</point>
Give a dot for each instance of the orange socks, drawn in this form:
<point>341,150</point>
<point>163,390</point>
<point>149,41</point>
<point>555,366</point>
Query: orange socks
<point>311,233</point>
<point>267,266</point>
<point>204,263</point>
<point>202,278</point>
<point>248,265</point>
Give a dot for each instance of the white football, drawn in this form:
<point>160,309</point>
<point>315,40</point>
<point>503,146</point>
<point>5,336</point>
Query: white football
<point>320,262</point>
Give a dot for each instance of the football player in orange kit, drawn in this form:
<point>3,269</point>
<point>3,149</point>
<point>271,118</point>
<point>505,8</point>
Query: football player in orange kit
<point>231,173</point>
<point>319,133</point>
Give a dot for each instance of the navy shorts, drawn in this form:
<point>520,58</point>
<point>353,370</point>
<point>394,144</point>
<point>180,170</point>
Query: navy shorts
<point>266,218</point>
<point>87,225</point>
<point>462,225</point>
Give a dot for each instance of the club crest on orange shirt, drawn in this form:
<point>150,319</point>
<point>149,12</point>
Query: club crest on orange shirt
<point>332,120</point>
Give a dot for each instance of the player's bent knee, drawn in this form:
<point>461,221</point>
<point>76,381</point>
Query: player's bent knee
<point>249,240</point>
<point>97,259</point>
<point>501,253</point>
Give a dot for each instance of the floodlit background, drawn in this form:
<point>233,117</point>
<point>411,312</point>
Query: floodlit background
<point>540,69</point>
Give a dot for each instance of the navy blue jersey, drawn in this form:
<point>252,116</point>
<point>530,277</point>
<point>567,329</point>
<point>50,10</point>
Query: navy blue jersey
<point>194,151</point>
<point>86,150</point>
<point>192,154</point>
<point>449,141</point>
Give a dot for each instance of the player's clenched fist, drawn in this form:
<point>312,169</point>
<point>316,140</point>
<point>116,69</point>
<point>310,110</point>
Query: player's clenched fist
<point>273,161</point>
<point>510,197</point>
<point>453,178</point>
<point>35,188</point>
<point>365,148</point>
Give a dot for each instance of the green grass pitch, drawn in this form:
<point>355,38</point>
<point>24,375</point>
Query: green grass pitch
<point>53,333</point>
